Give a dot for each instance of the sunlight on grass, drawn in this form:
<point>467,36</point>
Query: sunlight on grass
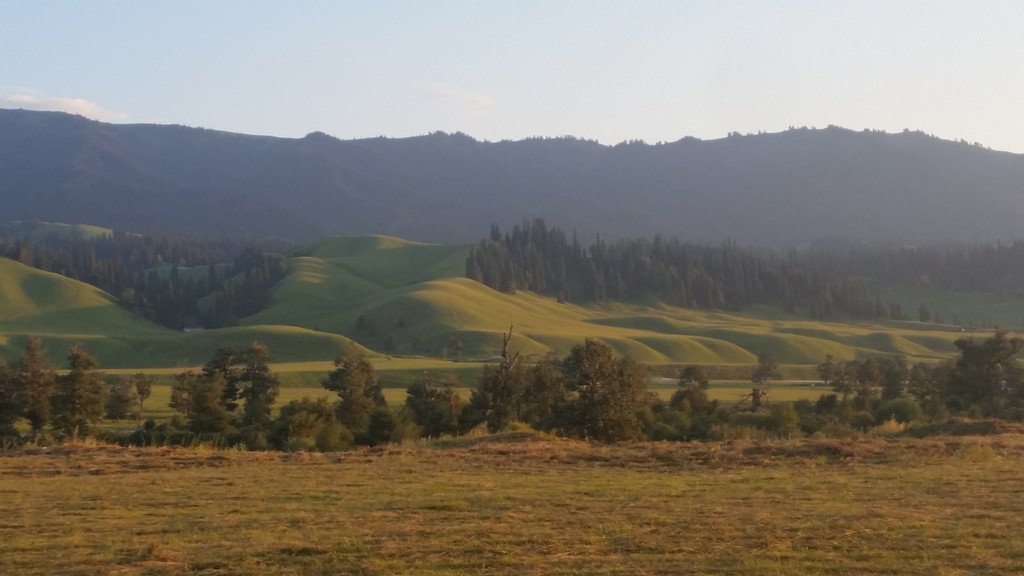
<point>529,505</point>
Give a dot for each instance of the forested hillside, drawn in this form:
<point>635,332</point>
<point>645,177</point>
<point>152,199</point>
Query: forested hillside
<point>794,187</point>
<point>657,300</point>
<point>725,276</point>
<point>178,282</point>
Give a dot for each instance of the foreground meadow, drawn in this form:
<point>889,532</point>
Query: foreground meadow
<point>519,504</point>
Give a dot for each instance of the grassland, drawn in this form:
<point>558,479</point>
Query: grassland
<point>410,299</point>
<point>406,301</point>
<point>521,504</point>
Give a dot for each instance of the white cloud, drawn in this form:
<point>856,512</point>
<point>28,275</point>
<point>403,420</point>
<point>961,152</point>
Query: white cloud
<point>69,105</point>
<point>463,101</point>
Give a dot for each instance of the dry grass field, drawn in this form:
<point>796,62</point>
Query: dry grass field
<point>520,503</point>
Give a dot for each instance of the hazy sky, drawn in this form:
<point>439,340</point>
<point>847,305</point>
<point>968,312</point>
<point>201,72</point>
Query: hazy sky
<point>611,71</point>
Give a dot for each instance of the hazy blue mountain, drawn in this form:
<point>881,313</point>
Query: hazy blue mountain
<point>793,187</point>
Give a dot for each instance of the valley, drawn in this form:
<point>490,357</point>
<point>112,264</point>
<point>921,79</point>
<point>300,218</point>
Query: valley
<point>391,298</point>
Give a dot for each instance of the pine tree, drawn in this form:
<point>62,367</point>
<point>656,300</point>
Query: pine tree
<point>608,394</point>
<point>81,394</point>
<point>258,387</point>
<point>355,382</point>
<point>10,405</point>
<point>36,382</point>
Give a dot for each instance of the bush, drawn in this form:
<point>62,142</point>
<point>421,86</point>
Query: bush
<point>861,420</point>
<point>902,410</point>
<point>890,427</point>
<point>837,430</point>
<point>784,420</point>
<point>812,423</point>
<point>827,404</point>
<point>803,406</point>
<point>309,425</point>
<point>334,437</point>
<point>721,432</point>
<point>759,420</point>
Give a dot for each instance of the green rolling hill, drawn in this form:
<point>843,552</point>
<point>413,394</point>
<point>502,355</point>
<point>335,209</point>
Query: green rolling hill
<point>63,312</point>
<point>394,298</point>
<point>410,299</point>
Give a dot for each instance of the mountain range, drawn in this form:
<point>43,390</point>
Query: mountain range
<point>783,189</point>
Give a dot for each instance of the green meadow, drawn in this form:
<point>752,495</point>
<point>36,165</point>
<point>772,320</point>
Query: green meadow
<point>407,306</point>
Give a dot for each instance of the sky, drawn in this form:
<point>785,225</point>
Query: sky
<point>609,71</point>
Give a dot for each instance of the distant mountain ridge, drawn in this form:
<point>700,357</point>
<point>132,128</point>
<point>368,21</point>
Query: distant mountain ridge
<point>788,188</point>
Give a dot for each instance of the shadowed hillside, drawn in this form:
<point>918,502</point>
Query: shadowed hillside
<point>792,187</point>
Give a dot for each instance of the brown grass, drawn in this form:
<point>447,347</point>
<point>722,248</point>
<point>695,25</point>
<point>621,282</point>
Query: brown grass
<point>521,503</point>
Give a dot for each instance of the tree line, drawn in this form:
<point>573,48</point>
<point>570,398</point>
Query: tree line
<point>727,276</point>
<point>65,405</point>
<point>590,394</point>
<point>994,268</point>
<point>593,394</point>
<point>175,282</point>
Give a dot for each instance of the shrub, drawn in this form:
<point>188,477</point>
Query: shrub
<point>812,423</point>
<point>784,419</point>
<point>902,410</point>
<point>861,420</point>
<point>890,427</point>
<point>310,425</point>
<point>837,430</point>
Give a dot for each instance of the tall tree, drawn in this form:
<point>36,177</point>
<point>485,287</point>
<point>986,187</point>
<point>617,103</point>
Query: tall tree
<point>258,387</point>
<point>869,379</point>
<point>986,374</point>
<point>355,382</point>
<point>609,393</point>
<point>498,397</point>
<point>181,391</point>
<point>143,389</point>
<point>767,368</point>
<point>206,413</point>
<point>829,370</point>
<point>225,363</point>
<point>36,382</point>
<point>10,404</point>
<point>895,373</point>
<point>122,400</point>
<point>693,391</point>
<point>927,383</point>
<point>81,394</point>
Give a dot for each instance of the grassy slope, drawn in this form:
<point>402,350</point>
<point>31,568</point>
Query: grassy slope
<point>413,302</point>
<point>36,231</point>
<point>63,312</point>
<point>412,299</point>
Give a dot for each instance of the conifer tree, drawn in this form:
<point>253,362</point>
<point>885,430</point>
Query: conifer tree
<point>81,394</point>
<point>36,382</point>
<point>10,404</point>
<point>258,387</point>
<point>609,394</point>
<point>359,394</point>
